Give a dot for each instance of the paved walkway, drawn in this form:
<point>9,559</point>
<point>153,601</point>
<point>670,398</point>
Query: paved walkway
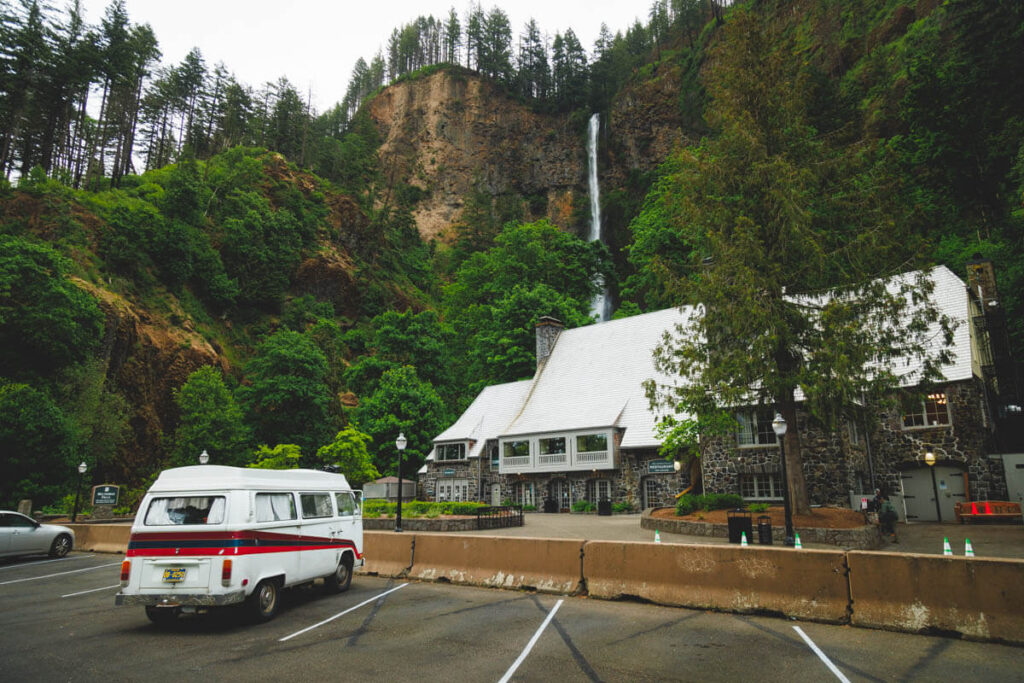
<point>988,540</point>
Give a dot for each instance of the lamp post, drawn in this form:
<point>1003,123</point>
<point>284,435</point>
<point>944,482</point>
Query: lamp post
<point>82,467</point>
<point>400,444</point>
<point>204,457</point>
<point>779,427</point>
<point>929,459</point>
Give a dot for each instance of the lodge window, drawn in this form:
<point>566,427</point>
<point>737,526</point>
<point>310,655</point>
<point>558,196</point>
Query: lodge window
<point>592,443</point>
<point>761,486</point>
<point>450,451</point>
<point>598,490</point>
<point>494,458</point>
<point>931,411</point>
<point>515,449</point>
<point>523,493</point>
<point>755,428</point>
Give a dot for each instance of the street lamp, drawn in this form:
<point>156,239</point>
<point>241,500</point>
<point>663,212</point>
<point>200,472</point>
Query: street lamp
<point>204,457</point>
<point>929,459</point>
<point>779,427</point>
<point>82,467</point>
<point>400,444</point>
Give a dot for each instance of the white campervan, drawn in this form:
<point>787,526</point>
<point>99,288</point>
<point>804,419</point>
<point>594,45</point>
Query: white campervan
<point>208,535</point>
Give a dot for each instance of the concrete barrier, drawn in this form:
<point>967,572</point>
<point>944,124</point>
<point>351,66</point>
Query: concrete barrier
<point>543,564</point>
<point>808,584</point>
<point>981,599</point>
<point>387,553</point>
<point>101,538</point>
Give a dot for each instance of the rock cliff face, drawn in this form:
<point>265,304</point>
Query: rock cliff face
<point>451,133</point>
<point>147,357</point>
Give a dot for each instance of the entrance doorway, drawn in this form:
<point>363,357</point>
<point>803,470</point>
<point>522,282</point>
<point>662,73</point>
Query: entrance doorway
<point>453,490</point>
<point>558,491</point>
<point>919,492</point>
<point>1014,466</point>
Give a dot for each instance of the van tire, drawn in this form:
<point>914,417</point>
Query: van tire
<point>262,604</point>
<point>341,579</point>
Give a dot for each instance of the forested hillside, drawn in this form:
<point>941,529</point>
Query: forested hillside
<point>189,263</point>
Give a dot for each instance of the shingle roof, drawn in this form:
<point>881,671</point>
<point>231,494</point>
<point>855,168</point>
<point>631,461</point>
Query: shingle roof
<point>487,416</point>
<point>594,379</point>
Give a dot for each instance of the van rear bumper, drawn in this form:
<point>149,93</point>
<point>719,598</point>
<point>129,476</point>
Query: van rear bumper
<point>178,599</point>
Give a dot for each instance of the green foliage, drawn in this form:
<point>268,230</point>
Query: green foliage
<point>622,507</point>
<point>707,502</point>
<point>287,397</point>
<point>284,456</point>
<point>210,420</point>
<point>348,452</point>
<point>583,506</point>
<point>36,442</point>
<point>376,507</point>
<point>758,507</point>
<point>402,403</point>
<point>47,322</point>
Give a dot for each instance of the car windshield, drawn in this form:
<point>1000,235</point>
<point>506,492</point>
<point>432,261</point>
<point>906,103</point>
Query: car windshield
<point>185,510</point>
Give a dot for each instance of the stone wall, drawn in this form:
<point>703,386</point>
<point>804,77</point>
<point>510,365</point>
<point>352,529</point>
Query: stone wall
<point>833,466</point>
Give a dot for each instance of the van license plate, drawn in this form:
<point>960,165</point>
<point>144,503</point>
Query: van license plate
<point>174,575</point>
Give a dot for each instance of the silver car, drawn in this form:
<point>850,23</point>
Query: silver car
<point>21,535</point>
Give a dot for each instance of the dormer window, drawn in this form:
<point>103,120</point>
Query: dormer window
<point>450,451</point>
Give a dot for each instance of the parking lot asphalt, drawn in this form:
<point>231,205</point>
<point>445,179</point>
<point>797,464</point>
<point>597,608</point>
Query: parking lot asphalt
<point>987,540</point>
<point>59,622</point>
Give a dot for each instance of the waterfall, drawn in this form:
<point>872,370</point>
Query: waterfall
<point>599,306</point>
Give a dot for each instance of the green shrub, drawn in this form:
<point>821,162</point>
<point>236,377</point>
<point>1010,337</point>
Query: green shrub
<point>529,508</point>
<point>583,506</point>
<point>758,507</point>
<point>622,507</point>
<point>377,507</point>
<point>707,502</point>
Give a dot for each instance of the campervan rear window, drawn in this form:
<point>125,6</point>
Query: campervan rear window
<point>274,507</point>
<point>185,510</point>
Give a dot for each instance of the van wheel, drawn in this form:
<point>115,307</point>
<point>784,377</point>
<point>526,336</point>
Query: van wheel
<point>339,581</point>
<point>262,604</point>
<point>162,616</point>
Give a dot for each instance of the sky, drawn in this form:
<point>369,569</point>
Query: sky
<point>315,43</point>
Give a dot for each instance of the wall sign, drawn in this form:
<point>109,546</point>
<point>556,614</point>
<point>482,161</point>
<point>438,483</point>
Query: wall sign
<point>449,473</point>
<point>660,467</point>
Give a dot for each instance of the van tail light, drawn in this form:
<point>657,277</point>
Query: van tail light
<point>126,570</point>
<point>225,573</point>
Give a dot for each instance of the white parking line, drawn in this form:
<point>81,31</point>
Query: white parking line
<point>36,564</point>
<point>47,576</point>
<point>105,588</point>
<point>341,614</point>
<point>821,656</point>
<point>533,641</point>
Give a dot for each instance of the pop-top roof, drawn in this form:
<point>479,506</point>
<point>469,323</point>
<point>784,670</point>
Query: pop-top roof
<point>222,478</point>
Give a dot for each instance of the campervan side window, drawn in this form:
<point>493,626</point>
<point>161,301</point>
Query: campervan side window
<point>346,504</point>
<point>185,510</point>
<point>274,507</point>
<point>315,505</point>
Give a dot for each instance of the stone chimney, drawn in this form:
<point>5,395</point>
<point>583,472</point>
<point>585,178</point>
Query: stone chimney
<point>548,329</point>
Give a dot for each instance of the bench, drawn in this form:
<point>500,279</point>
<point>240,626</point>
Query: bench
<point>988,510</point>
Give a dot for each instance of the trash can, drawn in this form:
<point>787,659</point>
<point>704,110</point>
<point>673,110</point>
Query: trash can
<point>550,505</point>
<point>604,507</point>
<point>764,530</point>
<point>739,523</point>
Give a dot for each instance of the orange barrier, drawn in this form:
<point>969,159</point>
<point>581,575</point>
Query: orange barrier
<point>543,564</point>
<point>987,509</point>
<point>101,538</point>
<point>387,553</point>
<point>809,584</point>
<point>979,598</point>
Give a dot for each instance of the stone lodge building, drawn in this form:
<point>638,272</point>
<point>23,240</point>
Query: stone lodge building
<point>583,429</point>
